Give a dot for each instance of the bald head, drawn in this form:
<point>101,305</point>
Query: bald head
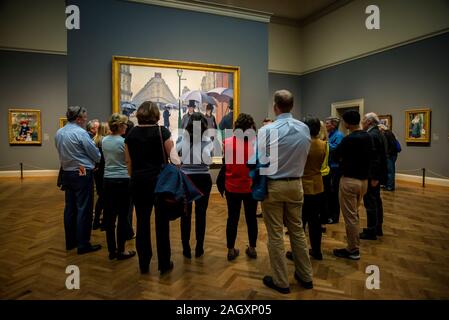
<point>283,101</point>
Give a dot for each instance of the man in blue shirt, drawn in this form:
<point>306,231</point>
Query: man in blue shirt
<point>284,201</point>
<point>334,138</point>
<point>78,155</point>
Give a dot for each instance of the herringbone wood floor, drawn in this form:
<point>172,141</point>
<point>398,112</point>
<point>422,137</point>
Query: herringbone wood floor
<point>413,255</point>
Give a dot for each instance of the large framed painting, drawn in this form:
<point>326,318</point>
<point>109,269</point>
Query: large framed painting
<point>177,87</point>
<point>417,126</point>
<point>386,120</point>
<point>24,126</point>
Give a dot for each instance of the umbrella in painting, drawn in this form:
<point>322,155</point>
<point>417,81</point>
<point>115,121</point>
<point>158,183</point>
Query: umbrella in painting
<point>171,106</point>
<point>128,108</point>
<point>198,96</point>
<point>221,94</point>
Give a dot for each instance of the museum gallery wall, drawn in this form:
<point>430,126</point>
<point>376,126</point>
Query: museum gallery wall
<point>413,76</point>
<point>409,77</point>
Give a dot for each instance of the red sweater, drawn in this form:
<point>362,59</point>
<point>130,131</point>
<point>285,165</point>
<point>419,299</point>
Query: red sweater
<point>237,178</point>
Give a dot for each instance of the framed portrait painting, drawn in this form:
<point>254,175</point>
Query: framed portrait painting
<point>417,126</point>
<point>62,122</point>
<point>178,88</point>
<point>386,120</point>
<point>24,126</point>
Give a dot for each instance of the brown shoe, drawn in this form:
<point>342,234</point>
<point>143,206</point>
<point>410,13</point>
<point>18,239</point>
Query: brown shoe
<point>233,253</point>
<point>251,252</point>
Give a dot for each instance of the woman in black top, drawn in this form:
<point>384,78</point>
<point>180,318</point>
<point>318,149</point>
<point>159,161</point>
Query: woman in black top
<point>145,159</point>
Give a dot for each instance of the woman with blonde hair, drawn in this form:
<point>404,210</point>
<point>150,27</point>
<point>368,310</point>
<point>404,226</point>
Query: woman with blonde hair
<point>102,131</point>
<point>116,188</point>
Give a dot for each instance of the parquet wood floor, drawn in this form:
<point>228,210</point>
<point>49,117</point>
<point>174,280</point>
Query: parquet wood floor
<point>413,255</point>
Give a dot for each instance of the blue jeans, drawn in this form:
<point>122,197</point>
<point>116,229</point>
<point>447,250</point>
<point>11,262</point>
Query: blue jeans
<point>78,208</point>
<point>391,167</point>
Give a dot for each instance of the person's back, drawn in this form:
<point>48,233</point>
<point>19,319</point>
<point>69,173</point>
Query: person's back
<point>293,145</point>
<point>114,154</point>
<point>144,146</point>
<point>284,199</point>
<point>237,177</point>
<point>312,179</point>
<point>75,148</point>
<point>355,152</point>
<point>78,155</point>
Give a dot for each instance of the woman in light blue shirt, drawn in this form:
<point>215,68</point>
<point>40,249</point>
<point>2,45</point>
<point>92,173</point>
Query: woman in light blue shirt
<point>116,188</point>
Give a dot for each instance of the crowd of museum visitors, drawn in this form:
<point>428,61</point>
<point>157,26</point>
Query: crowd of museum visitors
<point>322,168</point>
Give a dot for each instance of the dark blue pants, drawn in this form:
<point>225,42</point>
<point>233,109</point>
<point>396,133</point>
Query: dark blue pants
<point>78,208</point>
<point>391,167</point>
<point>117,199</point>
<point>374,208</point>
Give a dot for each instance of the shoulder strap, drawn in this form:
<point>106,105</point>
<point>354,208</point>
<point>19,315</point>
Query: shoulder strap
<point>162,145</point>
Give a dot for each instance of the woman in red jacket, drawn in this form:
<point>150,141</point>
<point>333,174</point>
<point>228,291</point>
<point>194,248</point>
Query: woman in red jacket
<point>238,185</point>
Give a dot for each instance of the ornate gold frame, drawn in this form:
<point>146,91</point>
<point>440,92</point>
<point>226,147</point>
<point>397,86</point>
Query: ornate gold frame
<point>426,125</point>
<point>62,122</point>
<point>12,140</point>
<point>118,60</point>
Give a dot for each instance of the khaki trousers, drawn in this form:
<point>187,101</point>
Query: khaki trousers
<point>351,193</point>
<point>284,204</point>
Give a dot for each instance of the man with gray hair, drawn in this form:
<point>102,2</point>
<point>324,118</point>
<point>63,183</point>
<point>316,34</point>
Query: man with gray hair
<point>92,127</point>
<point>284,201</point>
<point>378,177</point>
<point>78,155</point>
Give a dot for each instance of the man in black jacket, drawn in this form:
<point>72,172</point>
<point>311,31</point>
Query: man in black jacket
<point>378,176</point>
<point>355,153</point>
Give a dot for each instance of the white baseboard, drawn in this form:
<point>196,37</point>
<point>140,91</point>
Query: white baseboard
<point>29,173</point>
<point>418,179</point>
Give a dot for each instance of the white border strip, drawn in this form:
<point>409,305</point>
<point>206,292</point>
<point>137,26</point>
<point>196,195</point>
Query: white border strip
<point>418,179</point>
<point>222,10</point>
<point>29,173</point>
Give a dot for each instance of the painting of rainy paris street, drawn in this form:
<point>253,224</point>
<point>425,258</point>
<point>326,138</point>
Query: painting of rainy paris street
<point>178,93</point>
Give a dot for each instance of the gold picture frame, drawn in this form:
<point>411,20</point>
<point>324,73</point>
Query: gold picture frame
<point>386,120</point>
<point>417,125</point>
<point>24,127</point>
<point>62,122</point>
<point>168,82</point>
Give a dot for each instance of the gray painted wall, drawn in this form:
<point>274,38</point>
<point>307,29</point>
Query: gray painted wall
<point>32,81</point>
<point>111,28</point>
<point>277,81</point>
<point>414,75</point>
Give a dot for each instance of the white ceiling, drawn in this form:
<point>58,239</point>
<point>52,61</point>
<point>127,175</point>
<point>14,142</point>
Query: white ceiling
<point>293,11</point>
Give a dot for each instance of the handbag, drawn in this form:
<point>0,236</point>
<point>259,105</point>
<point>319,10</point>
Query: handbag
<point>166,202</point>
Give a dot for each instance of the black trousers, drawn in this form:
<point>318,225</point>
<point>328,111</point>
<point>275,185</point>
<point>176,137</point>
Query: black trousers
<point>311,216</point>
<point>333,202</point>
<point>234,201</point>
<point>99,205</point>
<point>325,213</point>
<point>142,190</point>
<point>204,183</point>
<point>374,208</point>
<point>117,199</point>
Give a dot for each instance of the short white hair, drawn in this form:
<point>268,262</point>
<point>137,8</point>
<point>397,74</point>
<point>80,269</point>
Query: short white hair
<point>373,118</point>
